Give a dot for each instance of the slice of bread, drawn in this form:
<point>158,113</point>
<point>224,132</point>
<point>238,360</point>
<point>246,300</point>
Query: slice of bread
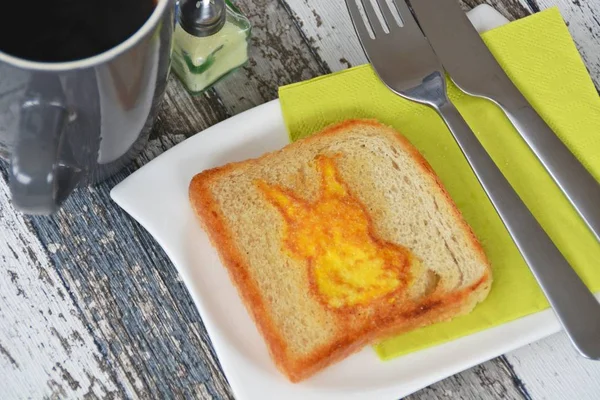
<point>339,240</point>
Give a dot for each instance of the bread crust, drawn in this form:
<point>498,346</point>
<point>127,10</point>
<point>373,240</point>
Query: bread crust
<point>436,308</point>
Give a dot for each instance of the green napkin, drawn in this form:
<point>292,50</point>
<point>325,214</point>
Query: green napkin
<point>538,54</point>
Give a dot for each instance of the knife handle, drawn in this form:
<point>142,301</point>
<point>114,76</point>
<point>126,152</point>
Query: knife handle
<point>575,306</point>
<point>578,185</point>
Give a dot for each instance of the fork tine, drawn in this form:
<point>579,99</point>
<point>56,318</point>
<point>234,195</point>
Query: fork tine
<point>405,15</point>
<point>372,17</point>
<point>386,11</point>
<point>357,20</point>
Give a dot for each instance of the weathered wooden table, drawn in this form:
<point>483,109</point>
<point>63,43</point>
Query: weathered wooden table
<point>90,306</point>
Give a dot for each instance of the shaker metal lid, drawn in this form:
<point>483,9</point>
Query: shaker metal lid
<point>202,17</point>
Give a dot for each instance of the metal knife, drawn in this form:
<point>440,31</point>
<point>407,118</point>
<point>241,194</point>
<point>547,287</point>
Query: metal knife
<point>474,70</point>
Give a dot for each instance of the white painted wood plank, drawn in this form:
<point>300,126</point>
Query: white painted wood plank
<point>45,347</point>
<point>327,26</point>
<point>278,56</point>
<point>127,290</point>
<point>552,369</point>
<point>46,350</point>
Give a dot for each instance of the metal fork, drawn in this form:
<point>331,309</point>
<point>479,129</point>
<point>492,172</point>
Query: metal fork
<point>405,62</point>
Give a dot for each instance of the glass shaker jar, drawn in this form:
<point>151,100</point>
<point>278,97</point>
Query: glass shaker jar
<point>210,41</point>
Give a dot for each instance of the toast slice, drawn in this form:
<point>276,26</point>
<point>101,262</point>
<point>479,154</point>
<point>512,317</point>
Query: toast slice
<point>339,240</point>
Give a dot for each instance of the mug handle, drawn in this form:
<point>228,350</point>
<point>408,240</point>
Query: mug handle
<point>39,180</point>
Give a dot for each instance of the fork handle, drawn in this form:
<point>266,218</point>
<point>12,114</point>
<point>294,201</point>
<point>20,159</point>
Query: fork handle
<point>574,305</point>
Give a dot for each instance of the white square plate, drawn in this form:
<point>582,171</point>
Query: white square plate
<point>157,197</point>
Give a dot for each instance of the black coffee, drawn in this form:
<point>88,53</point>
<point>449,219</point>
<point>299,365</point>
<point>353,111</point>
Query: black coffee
<point>67,30</point>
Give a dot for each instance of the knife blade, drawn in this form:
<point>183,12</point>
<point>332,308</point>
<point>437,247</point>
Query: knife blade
<point>473,68</point>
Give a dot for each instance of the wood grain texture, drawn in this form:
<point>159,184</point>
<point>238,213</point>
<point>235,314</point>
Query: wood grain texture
<point>43,337</point>
<point>139,311</point>
<point>488,381</point>
<point>552,369</point>
<point>90,306</point>
<point>327,26</point>
<point>278,56</point>
<point>131,299</point>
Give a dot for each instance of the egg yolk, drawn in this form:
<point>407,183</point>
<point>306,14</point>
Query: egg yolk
<point>348,265</point>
